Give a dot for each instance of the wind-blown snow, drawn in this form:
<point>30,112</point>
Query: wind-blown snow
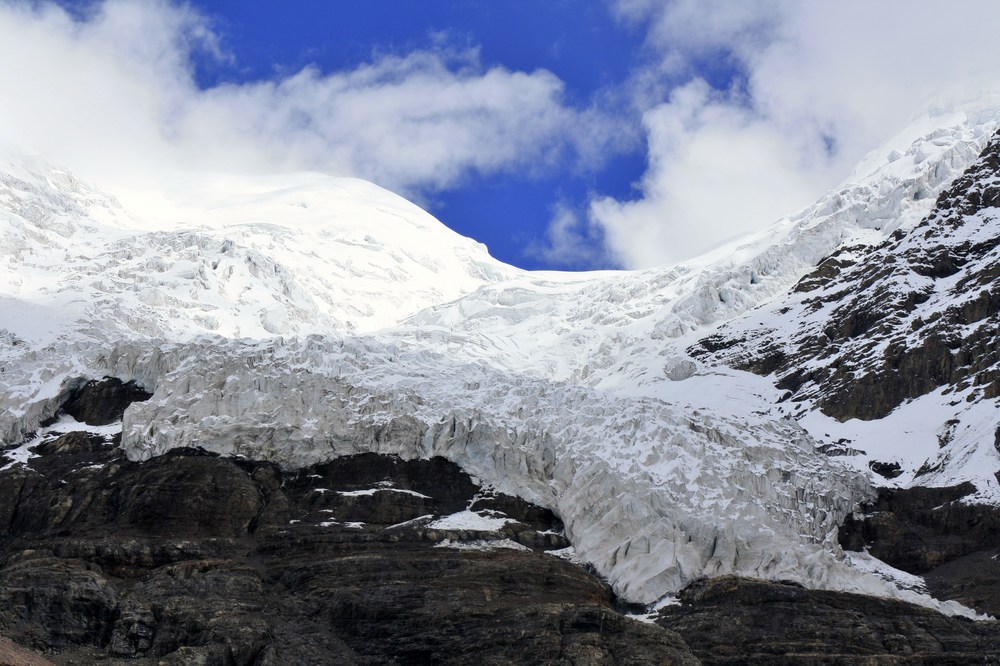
<point>303,317</point>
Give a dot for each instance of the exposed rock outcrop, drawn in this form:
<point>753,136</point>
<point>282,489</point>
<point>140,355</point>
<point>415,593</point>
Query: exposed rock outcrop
<point>731,620</point>
<point>933,533</point>
<point>368,559</point>
<point>102,402</point>
<point>196,558</point>
<point>872,327</point>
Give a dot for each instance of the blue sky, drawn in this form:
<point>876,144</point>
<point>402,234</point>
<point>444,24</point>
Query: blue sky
<point>569,135</point>
<point>580,42</point>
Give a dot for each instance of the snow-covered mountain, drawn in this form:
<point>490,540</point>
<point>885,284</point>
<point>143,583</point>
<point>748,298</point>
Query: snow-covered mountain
<point>893,349</point>
<point>237,257</point>
<point>303,317</point>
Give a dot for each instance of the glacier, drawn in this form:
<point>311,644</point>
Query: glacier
<point>301,317</point>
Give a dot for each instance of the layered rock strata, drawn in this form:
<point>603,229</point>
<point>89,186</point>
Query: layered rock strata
<point>194,558</point>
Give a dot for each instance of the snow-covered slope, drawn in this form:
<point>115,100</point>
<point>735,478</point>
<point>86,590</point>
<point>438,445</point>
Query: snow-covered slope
<point>892,351</point>
<point>299,318</point>
<point>613,328</point>
<point>253,257</point>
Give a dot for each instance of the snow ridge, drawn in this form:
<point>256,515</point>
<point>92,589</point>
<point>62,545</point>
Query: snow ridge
<point>610,324</point>
<point>285,255</point>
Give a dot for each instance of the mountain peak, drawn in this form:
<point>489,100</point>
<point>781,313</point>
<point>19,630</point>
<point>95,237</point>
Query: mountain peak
<point>231,256</point>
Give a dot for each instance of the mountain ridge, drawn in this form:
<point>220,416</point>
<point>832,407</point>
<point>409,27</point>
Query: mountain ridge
<point>576,392</point>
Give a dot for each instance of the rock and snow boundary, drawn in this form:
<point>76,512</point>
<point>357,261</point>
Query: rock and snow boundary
<point>652,496</point>
<point>572,391</point>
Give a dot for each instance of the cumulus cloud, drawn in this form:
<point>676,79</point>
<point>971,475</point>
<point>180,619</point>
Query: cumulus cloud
<point>572,241</point>
<point>112,93</point>
<point>683,29</point>
<point>419,121</point>
<point>713,166</point>
<point>814,87</point>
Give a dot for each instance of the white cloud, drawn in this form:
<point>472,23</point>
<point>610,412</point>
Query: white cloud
<point>570,241</point>
<point>112,95</point>
<point>820,84</point>
<point>704,27</point>
<point>714,166</point>
<point>417,121</point>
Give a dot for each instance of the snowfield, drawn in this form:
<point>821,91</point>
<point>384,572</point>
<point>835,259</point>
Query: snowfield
<point>298,318</point>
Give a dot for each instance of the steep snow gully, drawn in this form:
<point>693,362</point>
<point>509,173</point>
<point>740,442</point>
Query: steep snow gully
<point>300,318</point>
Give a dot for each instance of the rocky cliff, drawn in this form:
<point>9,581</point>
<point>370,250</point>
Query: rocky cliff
<point>904,330</point>
<point>190,557</point>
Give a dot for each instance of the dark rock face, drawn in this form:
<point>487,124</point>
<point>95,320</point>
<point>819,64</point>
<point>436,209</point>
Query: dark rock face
<point>732,620</point>
<point>887,470</point>
<point>879,326</point>
<point>196,559</point>
<point>919,529</point>
<point>930,532</point>
<point>193,558</point>
<point>101,402</point>
<point>12,654</point>
<point>71,444</point>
